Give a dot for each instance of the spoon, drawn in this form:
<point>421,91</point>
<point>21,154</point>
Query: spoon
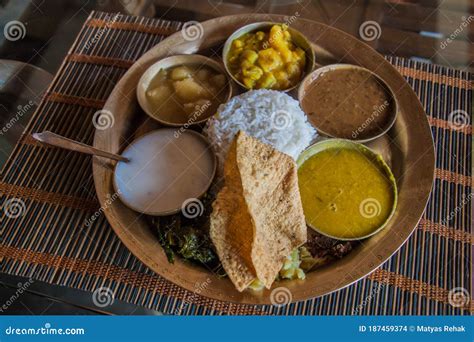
<point>57,140</point>
<point>160,173</point>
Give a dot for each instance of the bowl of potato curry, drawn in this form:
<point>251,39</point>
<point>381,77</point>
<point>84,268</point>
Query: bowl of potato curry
<point>268,55</point>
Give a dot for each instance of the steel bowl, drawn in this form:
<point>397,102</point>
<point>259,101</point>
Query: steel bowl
<point>328,68</point>
<point>169,62</point>
<point>372,156</point>
<point>298,38</point>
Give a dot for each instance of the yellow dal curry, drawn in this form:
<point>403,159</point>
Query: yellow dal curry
<point>344,193</point>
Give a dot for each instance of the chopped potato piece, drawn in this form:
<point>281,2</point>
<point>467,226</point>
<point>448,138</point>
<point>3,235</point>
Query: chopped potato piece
<point>267,81</point>
<point>160,94</point>
<point>269,60</point>
<point>238,43</point>
<point>276,37</point>
<point>180,73</point>
<point>198,107</point>
<point>248,82</point>
<point>260,35</point>
<point>291,268</point>
<point>282,78</point>
<point>246,64</point>
<point>253,73</point>
<point>190,90</point>
<point>293,70</point>
<point>250,56</point>
<point>256,285</point>
<point>183,94</point>
<point>286,55</point>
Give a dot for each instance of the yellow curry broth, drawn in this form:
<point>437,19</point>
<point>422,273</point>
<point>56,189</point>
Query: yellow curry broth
<point>344,193</point>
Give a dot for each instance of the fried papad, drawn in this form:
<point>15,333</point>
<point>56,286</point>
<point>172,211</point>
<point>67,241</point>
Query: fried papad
<point>231,227</point>
<point>258,211</point>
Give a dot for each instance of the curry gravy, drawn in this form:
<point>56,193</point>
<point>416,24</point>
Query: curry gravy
<point>344,193</point>
<point>348,103</point>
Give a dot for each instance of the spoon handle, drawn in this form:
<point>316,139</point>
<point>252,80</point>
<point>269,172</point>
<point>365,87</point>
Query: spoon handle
<point>54,139</point>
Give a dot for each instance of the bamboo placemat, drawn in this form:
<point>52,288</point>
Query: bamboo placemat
<point>51,238</point>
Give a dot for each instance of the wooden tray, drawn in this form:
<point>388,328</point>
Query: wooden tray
<point>407,148</point>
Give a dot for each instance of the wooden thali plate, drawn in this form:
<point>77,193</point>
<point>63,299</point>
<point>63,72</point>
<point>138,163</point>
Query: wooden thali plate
<point>408,149</point>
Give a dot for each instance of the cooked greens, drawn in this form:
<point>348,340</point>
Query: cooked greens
<point>187,237</point>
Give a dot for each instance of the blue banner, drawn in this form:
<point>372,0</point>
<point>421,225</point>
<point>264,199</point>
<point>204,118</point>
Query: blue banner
<point>232,328</point>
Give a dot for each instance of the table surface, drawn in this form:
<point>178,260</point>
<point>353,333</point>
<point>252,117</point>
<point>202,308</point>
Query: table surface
<point>417,30</point>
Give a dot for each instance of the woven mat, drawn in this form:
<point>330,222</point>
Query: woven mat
<point>48,239</point>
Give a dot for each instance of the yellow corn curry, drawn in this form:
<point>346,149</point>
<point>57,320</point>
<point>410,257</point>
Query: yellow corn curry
<point>345,194</point>
<point>267,59</point>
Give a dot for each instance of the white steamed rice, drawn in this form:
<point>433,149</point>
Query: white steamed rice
<point>273,117</point>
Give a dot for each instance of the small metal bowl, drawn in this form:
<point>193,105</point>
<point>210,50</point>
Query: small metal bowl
<point>298,38</point>
<point>161,154</point>
<point>328,68</point>
<point>372,156</point>
<point>169,62</point>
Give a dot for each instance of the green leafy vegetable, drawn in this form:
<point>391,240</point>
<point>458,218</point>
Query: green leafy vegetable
<point>188,238</point>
